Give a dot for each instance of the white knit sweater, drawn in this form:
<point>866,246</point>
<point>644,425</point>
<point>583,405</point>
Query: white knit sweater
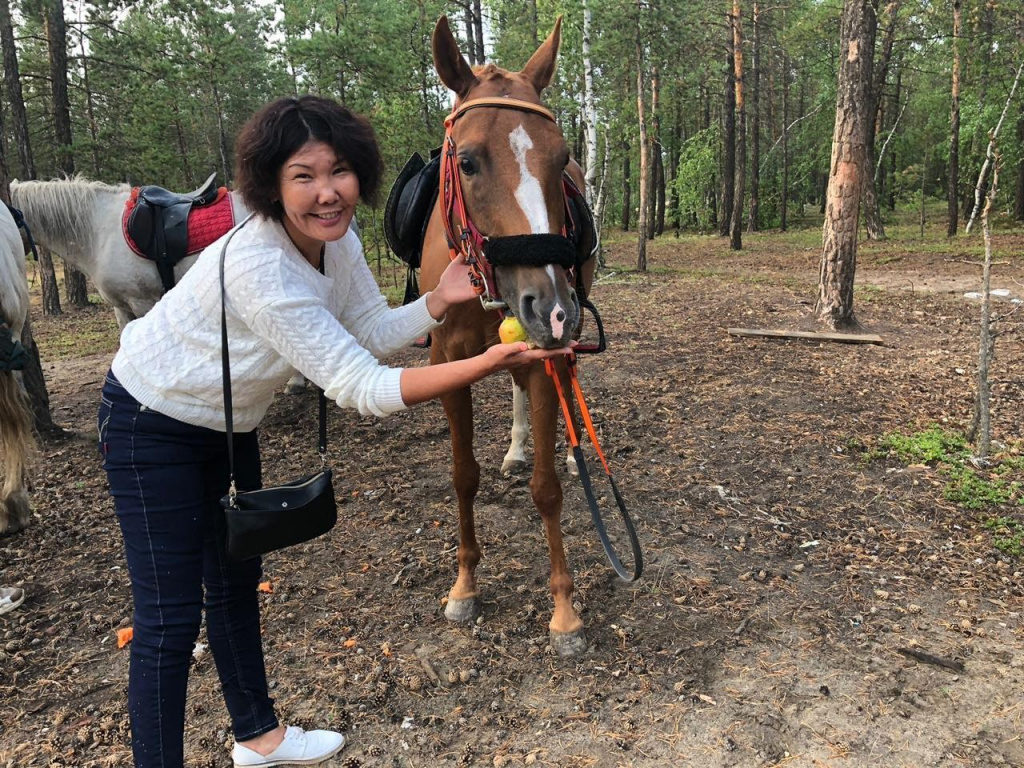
<point>282,315</point>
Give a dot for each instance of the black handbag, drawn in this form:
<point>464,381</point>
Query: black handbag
<point>272,518</point>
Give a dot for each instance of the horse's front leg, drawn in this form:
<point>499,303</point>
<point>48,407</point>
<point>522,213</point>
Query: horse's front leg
<point>515,458</point>
<point>566,627</point>
<point>123,317</point>
<point>463,599</point>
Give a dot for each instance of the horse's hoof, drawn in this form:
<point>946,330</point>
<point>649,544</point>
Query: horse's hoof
<point>567,644</point>
<point>571,467</point>
<point>462,611</point>
<point>15,513</point>
<point>513,467</point>
<point>295,389</point>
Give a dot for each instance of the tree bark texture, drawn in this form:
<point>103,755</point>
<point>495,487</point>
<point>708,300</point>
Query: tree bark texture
<point>57,44</point>
<point>953,193</point>
<point>736,224</point>
<point>845,183</point>
<point>627,188</point>
<point>655,190</point>
<point>12,83</point>
<point>589,107</point>
<point>753,220</point>
<point>784,192</point>
<point>876,78</point>
<point>728,138</point>
<point>642,224</point>
<point>48,282</point>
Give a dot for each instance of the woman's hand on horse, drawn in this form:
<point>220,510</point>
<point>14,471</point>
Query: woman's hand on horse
<point>453,288</point>
<point>505,356</point>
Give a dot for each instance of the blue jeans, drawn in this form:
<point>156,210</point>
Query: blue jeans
<point>166,478</point>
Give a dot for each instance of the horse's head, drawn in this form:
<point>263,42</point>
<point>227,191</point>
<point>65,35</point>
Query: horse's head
<point>509,161</point>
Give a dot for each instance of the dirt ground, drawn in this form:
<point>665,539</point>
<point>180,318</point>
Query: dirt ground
<point>785,572</point>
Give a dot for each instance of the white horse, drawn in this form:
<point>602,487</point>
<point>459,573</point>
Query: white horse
<point>80,220</point>
<point>16,438</point>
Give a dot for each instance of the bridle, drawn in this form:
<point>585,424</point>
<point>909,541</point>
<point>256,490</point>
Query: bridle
<point>472,245</point>
<point>468,240</point>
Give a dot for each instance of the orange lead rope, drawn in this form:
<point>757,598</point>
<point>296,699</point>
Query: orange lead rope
<point>595,513</point>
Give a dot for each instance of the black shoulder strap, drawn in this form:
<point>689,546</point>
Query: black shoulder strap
<point>226,370</point>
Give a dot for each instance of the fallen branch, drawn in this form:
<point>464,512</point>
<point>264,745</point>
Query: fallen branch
<point>843,338</point>
<point>927,658</point>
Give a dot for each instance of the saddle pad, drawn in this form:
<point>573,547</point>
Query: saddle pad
<point>205,224</point>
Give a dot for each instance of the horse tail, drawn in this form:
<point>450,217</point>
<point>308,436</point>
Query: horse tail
<point>17,445</point>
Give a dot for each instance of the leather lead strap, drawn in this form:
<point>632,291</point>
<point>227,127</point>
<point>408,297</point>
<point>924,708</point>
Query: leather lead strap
<point>595,512</point>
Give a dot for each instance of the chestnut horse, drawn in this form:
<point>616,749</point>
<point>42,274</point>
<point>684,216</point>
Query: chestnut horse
<point>508,156</point>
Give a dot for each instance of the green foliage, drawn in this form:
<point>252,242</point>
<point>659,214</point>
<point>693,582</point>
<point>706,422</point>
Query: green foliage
<point>1007,535</point>
<point>967,485</point>
<point>932,446</point>
<point>698,161</point>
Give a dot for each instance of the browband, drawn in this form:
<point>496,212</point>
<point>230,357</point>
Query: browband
<point>500,103</point>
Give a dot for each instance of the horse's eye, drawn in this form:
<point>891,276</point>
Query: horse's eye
<point>467,165</point>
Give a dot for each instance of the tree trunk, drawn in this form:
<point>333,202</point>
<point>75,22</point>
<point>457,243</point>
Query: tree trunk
<point>642,224</point>
<point>736,225</point>
<point>953,193</point>
<point>478,31</point>
<point>590,109</point>
<point>711,193</point>
<point>35,385</point>
<point>753,224</point>
<point>784,192</point>
<point>626,187</point>
<point>90,109</point>
<point>876,78</point>
<point>48,282</point>
<point>1018,206</point>
<point>845,186</point>
<point>12,82</point>
<point>728,137</point>
<point>57,43</point>
<point>655,195</point>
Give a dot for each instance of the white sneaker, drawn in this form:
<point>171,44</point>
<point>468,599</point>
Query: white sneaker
<point>11,598</point>
<point>298,748</point>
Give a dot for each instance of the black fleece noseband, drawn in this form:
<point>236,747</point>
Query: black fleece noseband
<point>530,251</point>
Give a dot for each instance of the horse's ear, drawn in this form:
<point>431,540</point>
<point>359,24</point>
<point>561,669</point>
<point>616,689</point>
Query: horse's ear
<point>449,62</point>
<point>541,66</point>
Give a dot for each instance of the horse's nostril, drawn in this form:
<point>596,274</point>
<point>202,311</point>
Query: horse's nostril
<point>527,301</point>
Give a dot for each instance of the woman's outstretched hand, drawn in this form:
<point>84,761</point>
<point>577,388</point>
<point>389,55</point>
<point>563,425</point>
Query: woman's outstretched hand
<point>505,356</point>
<point>453,288</point>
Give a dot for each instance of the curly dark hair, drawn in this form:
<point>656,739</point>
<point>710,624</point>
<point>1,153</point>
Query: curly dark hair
<point>281,128</point>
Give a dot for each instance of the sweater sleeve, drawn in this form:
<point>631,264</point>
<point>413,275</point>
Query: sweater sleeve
<point>280,306</point>
<point>381,329</point>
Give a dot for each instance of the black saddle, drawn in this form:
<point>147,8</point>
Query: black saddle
<point>158,224</point>
<point>410,202</point>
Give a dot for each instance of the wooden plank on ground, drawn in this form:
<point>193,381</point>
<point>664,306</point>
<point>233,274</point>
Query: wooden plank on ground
<point>844,338</point>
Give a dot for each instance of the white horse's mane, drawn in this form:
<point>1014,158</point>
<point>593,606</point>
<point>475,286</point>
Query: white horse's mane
<point>13,289</point>
<point>62,207</point>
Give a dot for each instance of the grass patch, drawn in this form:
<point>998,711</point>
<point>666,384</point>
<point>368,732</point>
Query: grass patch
<point>967,485</point>
<point>1007,535</point>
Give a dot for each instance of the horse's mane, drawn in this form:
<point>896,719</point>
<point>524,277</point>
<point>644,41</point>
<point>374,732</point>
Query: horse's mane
<point>62,208</point>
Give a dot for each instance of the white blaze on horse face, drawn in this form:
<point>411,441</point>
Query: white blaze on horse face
<point>557,325</point>
<point>529,195</point>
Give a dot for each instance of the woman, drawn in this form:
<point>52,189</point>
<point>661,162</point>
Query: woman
<point>302,166</point>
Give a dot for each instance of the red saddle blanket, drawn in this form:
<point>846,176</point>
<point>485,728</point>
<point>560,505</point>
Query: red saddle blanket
<point>205,224</point>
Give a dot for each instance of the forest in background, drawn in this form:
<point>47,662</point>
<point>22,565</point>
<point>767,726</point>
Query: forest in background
<point>156,92</point>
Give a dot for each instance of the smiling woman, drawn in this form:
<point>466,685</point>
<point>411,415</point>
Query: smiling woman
<point>302,166</point>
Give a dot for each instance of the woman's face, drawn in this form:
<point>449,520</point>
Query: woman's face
<point>319,192</point>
